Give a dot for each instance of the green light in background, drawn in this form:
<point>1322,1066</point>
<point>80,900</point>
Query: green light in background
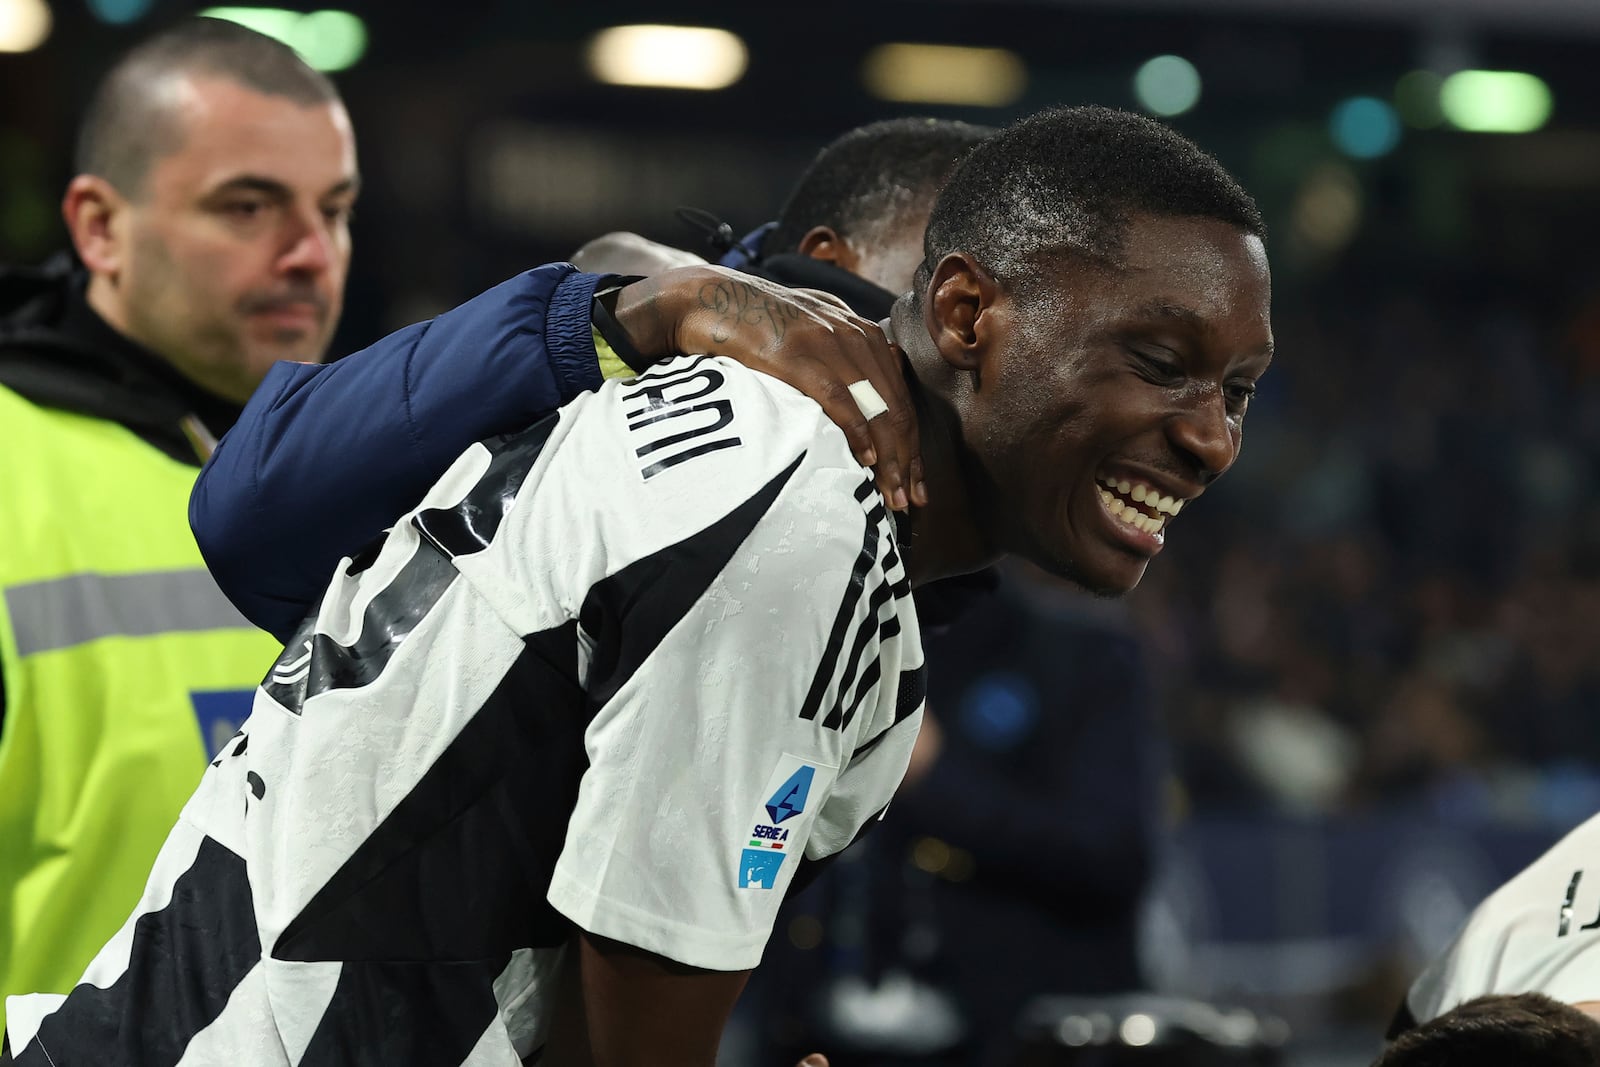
<point>1416,98</point>
<point>326,40</point>
<point>1167,85</point>
<point>275,22</point>
<point>1495,101</point>
<point>330,40</point>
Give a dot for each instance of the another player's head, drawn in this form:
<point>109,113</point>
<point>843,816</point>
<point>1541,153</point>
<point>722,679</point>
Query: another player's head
<point>1529,1029</point>
<point>216,173</point>
<point>1096,293</point>
<point>863,203</point>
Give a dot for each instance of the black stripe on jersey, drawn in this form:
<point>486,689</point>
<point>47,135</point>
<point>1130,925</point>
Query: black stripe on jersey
<point>389,619</point>
<point>873,623</point>
<point>912,691</point>
<point>459,869</point>
<point>628,614</point>
<point>470,526</point>
<point>869,678</point>
<point>405,1013</point>
<point>866,630</point>
<point>186,960</point>
<point>887,628</point>
<point>847,609</point>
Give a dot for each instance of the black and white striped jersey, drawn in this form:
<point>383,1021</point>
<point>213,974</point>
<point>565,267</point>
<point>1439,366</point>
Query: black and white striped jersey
<point>626,669</point>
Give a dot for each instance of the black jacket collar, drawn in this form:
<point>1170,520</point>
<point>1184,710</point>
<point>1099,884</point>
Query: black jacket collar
<point>57,352</point>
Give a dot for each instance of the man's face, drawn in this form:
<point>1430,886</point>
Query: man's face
<point>238,244</point>
<point>1114,396</point>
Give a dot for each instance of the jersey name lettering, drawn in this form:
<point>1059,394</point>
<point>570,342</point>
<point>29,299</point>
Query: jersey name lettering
<point>680,417</point>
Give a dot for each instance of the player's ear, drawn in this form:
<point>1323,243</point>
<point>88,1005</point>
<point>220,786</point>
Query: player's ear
<point>960,308</point>
<point>826,243</point>
<point>95,216</point>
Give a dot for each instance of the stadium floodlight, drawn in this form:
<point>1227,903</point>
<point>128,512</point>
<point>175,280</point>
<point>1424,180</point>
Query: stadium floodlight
<point>326,40</point>
<point>668,57</point>
<point>1495,101</point>
<point>1364,127</point>
<point>944,74</point>
<point>330,40</point>
<point>24,24</point>
<point>119,12</point>
<point>1167,85</point>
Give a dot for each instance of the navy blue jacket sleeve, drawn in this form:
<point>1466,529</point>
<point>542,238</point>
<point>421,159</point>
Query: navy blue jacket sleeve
<point>324,458</point>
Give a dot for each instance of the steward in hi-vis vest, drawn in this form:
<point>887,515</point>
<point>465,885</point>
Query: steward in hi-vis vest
<point>122,666</point>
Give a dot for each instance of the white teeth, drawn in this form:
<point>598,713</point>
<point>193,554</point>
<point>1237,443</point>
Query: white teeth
<point>1142,494</point>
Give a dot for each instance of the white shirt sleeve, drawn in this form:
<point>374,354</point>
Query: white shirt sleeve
<point>1538,933</point>
<point>705,784</point>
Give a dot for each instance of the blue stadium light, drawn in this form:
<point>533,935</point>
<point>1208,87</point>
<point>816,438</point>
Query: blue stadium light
<point>119,12</point>
<point>1365,127</point>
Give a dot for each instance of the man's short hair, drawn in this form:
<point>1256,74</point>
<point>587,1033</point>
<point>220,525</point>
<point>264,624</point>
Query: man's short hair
<point>1529,1029</point>
<point>1066,182</point>
<point>870,179</point>
<point>129,125</point>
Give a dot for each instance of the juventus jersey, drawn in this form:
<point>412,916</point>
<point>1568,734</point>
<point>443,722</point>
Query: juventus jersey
<point>1538,933</point>
<point>627,670</point>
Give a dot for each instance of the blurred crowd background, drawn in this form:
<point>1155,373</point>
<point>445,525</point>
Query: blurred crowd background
<point>1361,685</point>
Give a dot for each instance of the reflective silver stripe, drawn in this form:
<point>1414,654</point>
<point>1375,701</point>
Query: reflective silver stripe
<point>63,612</point>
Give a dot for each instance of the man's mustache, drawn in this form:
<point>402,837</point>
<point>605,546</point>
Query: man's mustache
<point>256,303</point>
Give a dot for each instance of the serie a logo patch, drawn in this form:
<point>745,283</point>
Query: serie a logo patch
<point>779,825</point>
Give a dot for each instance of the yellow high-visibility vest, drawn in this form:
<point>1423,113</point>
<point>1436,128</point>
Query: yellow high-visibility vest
<point>124,667</point>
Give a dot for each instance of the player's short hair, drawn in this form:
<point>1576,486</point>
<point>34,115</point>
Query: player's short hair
<point>1528,1029</point>
<point>1066,182</point>
<point>868,181</point>
<point>129,123</point>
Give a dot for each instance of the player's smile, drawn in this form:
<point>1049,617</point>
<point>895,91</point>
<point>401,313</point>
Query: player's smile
<point>1149,367</point>
<point>1138,508</point>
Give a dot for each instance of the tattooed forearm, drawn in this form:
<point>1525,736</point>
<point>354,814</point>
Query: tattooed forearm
<point>736,303</point>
